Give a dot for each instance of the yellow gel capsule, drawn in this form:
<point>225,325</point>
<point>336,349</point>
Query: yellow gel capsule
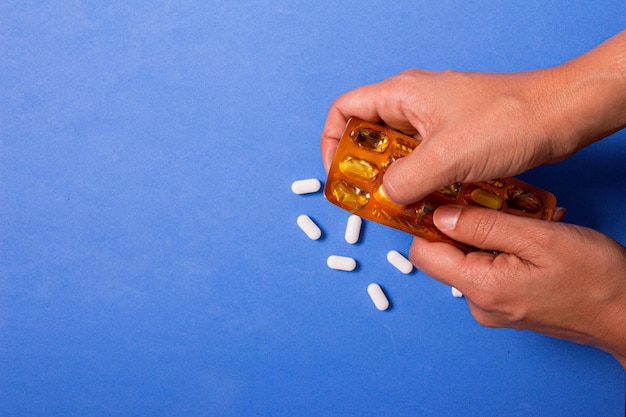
<point>358,168</point>
<point>350,196</point>
<point>370,139</point>
<point>486,199</point>
<point>402,147</point>
<point>496,183</point>
<point>451,190</point>
<point>391,160</point>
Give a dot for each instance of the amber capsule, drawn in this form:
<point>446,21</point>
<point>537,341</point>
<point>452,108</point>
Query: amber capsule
<point>358,168</point>
<point>393,158</point>
<point>451,190</point>
<point>525,201</point>
<point>498,182</point>
<point>350,196</point>
<point>486,199</point>
<point>404,148</point>
<point>423,210</point>
<point>370,139</point>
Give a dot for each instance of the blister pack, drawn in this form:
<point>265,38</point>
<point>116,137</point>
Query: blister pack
<point>365,152</point>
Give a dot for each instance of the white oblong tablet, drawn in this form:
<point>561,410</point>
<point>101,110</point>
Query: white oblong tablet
<point>398,260</point>
<point>341,263</point>
<point>378,296</point>
<point>353,229</point>
<point>309,227</point>
<point>456,293</point>
<point>308,186</point>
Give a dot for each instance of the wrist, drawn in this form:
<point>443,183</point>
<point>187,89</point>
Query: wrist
<point>609,325</point>
<point>614,338</point>
<point>583,100</point>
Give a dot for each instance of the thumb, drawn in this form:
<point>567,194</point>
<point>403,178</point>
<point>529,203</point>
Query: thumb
<point>489,229</point>
<point>421,172</point>
<point>522,240</point>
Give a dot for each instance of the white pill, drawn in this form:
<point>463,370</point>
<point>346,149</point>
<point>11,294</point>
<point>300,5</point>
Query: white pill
<point>396,259</point>
<point>353,229</point>
<point>309,227</point>
<point>311,185</point>
<point>342,263</point>
<point>456,293</point>
<point>378,296</point>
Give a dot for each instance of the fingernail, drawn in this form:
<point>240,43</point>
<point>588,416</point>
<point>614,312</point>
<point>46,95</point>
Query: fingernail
<point>558,215</point>
<point>446,217</point>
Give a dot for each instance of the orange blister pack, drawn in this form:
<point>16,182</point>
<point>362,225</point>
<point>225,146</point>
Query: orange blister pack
<point>355,179</point>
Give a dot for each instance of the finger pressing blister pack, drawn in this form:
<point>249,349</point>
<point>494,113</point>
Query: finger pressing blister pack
<point>355,179</point>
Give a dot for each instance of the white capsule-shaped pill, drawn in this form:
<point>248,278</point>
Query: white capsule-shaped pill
<point>456,293</point>
<point>353,229</point>
<point>341,263</point>
<point>378,296</point>
<point>308,186</point>
<point>309,227</point>
<point>398,260</point>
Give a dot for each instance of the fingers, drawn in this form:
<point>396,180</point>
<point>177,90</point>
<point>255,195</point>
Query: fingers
<point>379,102</point>
<point>328,146</point>
<point>450,265</point>
<point>521,239</point>
<point>561,280</point>
<point>492,284</point>
<point>425,170</point>
<point>490,229</point>
<point>356,103</point>
<point>346,106</point>
<point>436,259</point>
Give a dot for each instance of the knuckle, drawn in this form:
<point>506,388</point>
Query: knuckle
<point>407,74</point>
<point>496,295</point>
<point>487,300</point>
<point>486,319</point>
<point>407,80</point>
<point>507,315</point>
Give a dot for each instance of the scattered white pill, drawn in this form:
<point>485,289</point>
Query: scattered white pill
<point>309,227</point>
<point>378,296</point>
<point>353,229</point>
<point>308,186</point>
<point>341,263</point>
<point>398,260</point>
<point>456,293</point>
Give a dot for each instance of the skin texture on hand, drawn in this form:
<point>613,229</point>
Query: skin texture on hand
<point>557,279</point>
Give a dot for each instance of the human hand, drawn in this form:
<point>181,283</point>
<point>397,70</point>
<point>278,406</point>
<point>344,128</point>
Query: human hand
<point>473,127</point>
<point>554,278</point>
<point>479,126</point>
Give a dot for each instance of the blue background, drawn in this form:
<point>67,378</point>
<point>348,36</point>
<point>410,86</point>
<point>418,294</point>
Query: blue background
<point>150,262</point>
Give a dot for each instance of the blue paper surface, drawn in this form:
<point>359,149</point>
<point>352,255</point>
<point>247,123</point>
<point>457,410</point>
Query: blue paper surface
<point>150,262</point>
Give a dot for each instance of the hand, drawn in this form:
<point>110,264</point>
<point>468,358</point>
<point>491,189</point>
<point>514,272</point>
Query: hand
<point>473,127</point>
<point>557,279</point>
<point>478,126</point>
